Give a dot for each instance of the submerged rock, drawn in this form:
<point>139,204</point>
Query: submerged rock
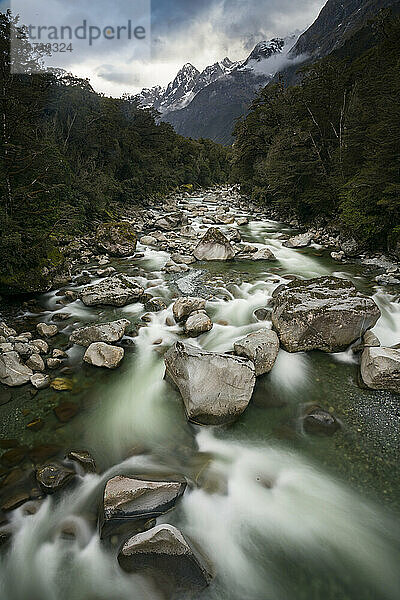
<point>380,368</point>
<point>13,372</point>
<point>165,550</point>
<point>216,388</point>
<point>128,501</point>
<point>214,246</point>
<point>325,314</point>
<point>261,348</point>
<point>100,354</point>
<point>184,306</point>
<point>112,291</point>
<point>117,239</point>
<point>319,421</point>
<point>105,332</point>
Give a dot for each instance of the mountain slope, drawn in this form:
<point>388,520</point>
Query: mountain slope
<point>213,110</point>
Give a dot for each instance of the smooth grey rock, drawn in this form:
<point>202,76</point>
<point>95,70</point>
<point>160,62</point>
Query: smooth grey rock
<point>370,340</point>
<point>215,388</point>
<point>148,240</point>
<point>117,239</point>
<point>325,314</point>
<point>12,370</point>
<point>40,381</point>
<point>299,241</point>
<point>100,354</point>
<point>261,347</point>
<point>380,369</point>
<point>132,500</point>
<point>112,291</point>
<point>183,259</point>
<point>263,254</point>
<point>110,332</point>
<point>214,246</point>
<point>184,306</point>
<point>35,362</point>
<point>46,330</point>
<point>197,324</point>
<point>165,550</point>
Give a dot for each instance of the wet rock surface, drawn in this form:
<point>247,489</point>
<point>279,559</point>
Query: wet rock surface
<point>100,354</point>
<point>112,291</point>
<point>215,388</point>
<point>165,549</point>
<point>105,332</point>
<point>325,314</point>
<point>214,246</point>
<point>53,477</point>
<point>261,348</point>
<point>380,368</point>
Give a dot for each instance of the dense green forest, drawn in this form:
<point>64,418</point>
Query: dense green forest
<point>329,147</point>
<point>69,155</point>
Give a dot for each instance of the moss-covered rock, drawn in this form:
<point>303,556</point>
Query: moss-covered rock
<point>117,238</point>
<point>33,279</point>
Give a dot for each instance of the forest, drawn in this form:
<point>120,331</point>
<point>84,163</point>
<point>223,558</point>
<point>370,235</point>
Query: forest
<point>328,148</point>
<point>70,157</point>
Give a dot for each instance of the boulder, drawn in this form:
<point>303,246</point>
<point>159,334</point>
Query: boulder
<point>214,246</point>
<point>134,501</point>
<point>380,368</point>
<point>261,347</point>
<point>104,332</point>
<point>148,240</point>
<point>155,304</point>
<point>197,324</point>
<point>41,346</point>
<point>299,241</point>
<point>112,291</point>
<point>325,314</point>
<point>215,388</point>
<point>46,330</point>
<point>184,306</point>
<point>40,381</point>
<point>100,354</point>
<point>13,372</point>
<point>169,221</point>
<point>164,550</point>
<point>117,239</point>
<point>263,254</point>
<point>54,476</point>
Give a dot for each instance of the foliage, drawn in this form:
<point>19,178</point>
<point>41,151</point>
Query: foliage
<point>330,147</point>
<point>67,154</point>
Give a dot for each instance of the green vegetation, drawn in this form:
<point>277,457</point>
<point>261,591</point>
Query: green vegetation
<point>70,157</point>
<point>329,147</point>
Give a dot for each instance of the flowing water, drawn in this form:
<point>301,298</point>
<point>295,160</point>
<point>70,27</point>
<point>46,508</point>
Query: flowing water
<point>280,514</point>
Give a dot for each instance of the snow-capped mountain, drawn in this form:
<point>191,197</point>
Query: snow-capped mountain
<point>190,81</point>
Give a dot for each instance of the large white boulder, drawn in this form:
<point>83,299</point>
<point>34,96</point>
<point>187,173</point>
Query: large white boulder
<point>215,388</point>
<point>13,372</point>
<point>112,291</point>
<point>214,246</point>
<point>100,354</point>
<point>104,332</point>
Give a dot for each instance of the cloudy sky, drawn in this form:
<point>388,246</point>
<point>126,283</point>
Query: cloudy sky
<point>196,31</point>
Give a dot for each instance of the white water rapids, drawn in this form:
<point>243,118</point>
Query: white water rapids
<point>268,517</point>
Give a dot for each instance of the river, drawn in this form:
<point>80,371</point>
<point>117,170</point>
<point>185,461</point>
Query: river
<point>281,515</point>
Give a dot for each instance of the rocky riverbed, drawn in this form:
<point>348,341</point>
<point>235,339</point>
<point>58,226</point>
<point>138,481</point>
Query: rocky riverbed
<point>203,397</point>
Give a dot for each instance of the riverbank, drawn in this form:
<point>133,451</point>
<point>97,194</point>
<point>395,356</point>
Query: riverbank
<point>134,424</point>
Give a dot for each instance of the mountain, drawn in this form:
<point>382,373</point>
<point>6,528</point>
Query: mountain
<point>337,22</point>
<point>207,104</point>
<point>181,91</point>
